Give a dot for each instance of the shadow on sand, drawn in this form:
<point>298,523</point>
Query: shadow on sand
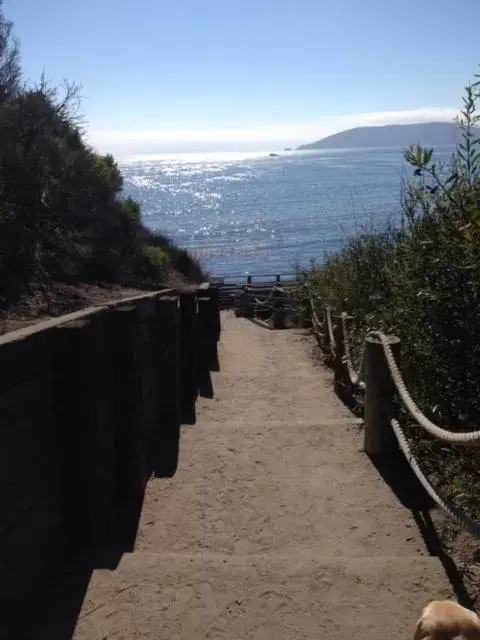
<point>396,472</point>
<point>62,594</point>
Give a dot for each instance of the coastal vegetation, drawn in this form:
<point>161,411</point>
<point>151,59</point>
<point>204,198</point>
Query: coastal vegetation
<point>63,215</point>
<point>420,279</point>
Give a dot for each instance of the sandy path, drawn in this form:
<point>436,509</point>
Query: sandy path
<point>276,524</point>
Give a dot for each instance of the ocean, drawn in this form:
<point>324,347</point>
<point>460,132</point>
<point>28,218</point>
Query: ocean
<point>252,213</point>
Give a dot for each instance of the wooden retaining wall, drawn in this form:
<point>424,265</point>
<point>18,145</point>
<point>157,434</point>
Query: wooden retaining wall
<point>90,407</point>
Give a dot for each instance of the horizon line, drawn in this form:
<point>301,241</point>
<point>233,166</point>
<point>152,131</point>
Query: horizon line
<point>288,135</point>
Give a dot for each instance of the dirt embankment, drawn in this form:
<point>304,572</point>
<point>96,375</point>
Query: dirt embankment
<point>57,298</point>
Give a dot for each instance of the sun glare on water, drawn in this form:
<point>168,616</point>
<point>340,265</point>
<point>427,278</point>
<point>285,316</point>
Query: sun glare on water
<point>187,158</point>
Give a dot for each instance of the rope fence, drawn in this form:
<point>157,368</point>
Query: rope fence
<point>270,305</point>
<point>379,380</point>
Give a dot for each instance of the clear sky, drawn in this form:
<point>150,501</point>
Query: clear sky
<point>174,75</point>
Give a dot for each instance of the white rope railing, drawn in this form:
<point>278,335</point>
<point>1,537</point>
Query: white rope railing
<point>356,378</point>
<point>454,512</point>
<point>462,438</point>
<point>315,319</point>
<point>331,335</point>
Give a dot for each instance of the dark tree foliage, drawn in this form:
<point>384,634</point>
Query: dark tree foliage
<point>62,212</point>
<point>10,72</point>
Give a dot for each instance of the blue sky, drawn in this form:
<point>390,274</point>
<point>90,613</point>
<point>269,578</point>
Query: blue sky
<point>224,74</point>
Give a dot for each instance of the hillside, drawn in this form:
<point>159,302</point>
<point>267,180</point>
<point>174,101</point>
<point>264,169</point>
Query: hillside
<point>433,134</point>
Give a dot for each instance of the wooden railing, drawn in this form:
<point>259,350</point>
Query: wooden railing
<point>90,407</point>
<point>255,295</point>
<point>253,278</point>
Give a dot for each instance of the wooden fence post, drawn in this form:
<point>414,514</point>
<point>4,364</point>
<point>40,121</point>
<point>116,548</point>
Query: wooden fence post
<point>101,463</point>
<point>326,333</point>
<point>122,335</point>
<point>205,336</point>
<point>279,314</point>
<point>216,328</point>
<point>69,409</point>
<point>341,380</point>
<point>168,323</point>
<point>215,312</point>
<point>188,377</point>
<point>164,448</point>
<point>83,407</point>
<point>245,305</point>
<point>379,396</point>
<point>149,403</point>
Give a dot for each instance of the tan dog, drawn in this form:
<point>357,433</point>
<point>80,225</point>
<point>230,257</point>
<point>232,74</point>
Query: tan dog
<point>445,620</point>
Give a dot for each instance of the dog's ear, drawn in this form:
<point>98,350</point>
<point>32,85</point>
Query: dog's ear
<point>422,630</point>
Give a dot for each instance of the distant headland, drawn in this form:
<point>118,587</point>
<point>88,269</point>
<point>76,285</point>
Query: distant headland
<point>431,134</point>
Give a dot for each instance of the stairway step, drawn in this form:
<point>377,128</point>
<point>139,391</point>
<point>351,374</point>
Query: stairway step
<point>240,499</point>
<point>297,596</point>
<point>272,424</point>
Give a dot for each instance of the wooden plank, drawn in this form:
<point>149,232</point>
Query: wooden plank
<point>145,308</point>
<point>29,463</point>
<point>188,373</point>
<point>147,365</point>
<point>82,314</point>
<point>85,422</point>
<point>31,517</point>
<point>203,288</point>
<point>208,334</point>
<point>72,413</point>
<point>29,551</point>
<point>168,358</point>
<point>100,430</point>
<point>23,359</point>
<point>128,397</point>
<point>164,446</point>
<point>149,418</point>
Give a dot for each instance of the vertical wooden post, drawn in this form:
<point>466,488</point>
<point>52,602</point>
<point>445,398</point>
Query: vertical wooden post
<point>214,297</point>
<point>326,333</point>
<point>101,459</point>
<point>341,382</point>
<point>279,314</point>
<point>204,336</point>
<point>379,395</point>
<point>206,346</point>
<point>279,318</point>
<point>216,328</point>
<point>149,403</point>
<point>163,454</point>
<point>246,305</point>
<point>188,378</point>
<point>83,409</point>
<point>249,279</point>
<point>122,334</point>
<point>168,324</point>
<point>71,417</point>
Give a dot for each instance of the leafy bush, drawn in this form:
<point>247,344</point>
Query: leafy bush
<point>156,261</point>
<point>421,281</point>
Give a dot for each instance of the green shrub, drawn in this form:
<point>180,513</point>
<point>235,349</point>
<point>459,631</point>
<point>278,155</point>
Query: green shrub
<point>421,281</point>
<point>156,261</point>
<point>130,212</point>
